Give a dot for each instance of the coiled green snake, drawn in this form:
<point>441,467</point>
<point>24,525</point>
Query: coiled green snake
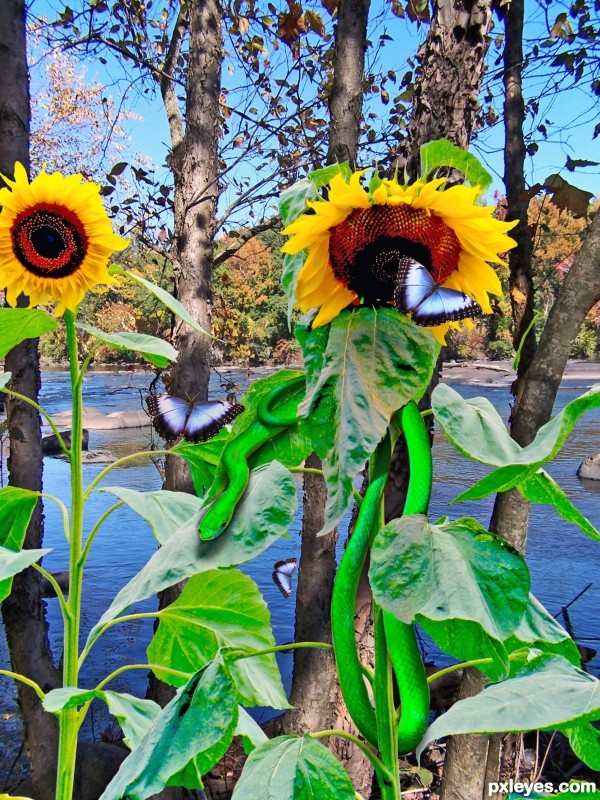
<point>276,411</point>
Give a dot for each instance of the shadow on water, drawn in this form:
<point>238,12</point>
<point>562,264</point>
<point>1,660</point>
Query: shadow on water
<point>561,559</point>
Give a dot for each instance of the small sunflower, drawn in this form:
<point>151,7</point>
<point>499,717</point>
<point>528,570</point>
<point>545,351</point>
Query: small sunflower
<point>359,240</point>
<point>55,238</point>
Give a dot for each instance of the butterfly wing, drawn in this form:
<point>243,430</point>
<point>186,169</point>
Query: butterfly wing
<point>169,415</point>
<point>282,575</point>
<point>206,419</point>
<point>427,302</point>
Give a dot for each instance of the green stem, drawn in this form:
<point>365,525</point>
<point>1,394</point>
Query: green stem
<point>454,667</point>
<point>385,712</point>
<point>86,549</point>
<point>70,719</point>
<point>154,667</point>
<point>59,592</point>
<point>378,766</point>
<point>27,681</point>
<point>119,463</point>
<point>117,621</point>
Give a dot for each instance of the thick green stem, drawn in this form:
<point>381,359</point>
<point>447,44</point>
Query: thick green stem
<point>70,719</point>
<point>385,712</point>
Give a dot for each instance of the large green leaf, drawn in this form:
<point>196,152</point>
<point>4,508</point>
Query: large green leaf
<point>265,513</point>
<point>166,299</point>
<point>442,153</point>
<point>292,201</point>
<point>197,725</point>
<point>293,768</point>
<point>18,324</point>
<point>474,427</point>
<point>540,631</point>
<point>16,508</point>
<point>367,365</point>
<point>412,565</point>
<point>541,488</point>
<point>219,609</point>
<point>547,693</point>
<point>476,430</point>
<point>156,351</point>
<point>414,562</point>
<point>135,716</point>
<point>165,512</point>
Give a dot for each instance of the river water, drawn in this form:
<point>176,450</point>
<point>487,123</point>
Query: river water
<point>561,559</point>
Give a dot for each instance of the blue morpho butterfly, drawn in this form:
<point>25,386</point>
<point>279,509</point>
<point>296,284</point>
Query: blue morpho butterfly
<point>173,417</point>
<point>282,575</point>
<point>426,301</point>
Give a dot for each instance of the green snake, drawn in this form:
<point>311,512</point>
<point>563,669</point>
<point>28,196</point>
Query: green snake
<point>276,411</point>
<point>233,471</point>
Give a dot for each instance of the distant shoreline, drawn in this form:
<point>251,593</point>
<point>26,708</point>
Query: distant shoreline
<point>578,373</point>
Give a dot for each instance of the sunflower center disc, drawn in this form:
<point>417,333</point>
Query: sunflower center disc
<point>50,243</point>
<point>365,249</point>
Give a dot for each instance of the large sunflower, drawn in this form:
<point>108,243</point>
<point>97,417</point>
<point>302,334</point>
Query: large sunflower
<point>55,238</point>
<point>360,241</point>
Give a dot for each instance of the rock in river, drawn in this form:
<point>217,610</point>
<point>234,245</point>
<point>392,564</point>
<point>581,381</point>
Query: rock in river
<point>590,468</point>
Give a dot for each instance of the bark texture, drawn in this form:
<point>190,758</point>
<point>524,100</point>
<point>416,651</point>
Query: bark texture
<point>196,172</point>
<point>449,75</point>
<point>194,162</point>
<point>346,98</point>
<point>24,610</point>
<point>313,692</point>
<point>520,279</point>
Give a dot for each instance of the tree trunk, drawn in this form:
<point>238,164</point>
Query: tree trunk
<point>24,610</point>
<point>195,168</point>
<point>314,685</point>
<point>451,68</point>
<point>520,279</point>
<point>315,692</point>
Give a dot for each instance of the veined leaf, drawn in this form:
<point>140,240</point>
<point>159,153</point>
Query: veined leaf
<point>293,768</point>
<point>154,350</point>
<point>166,299</point>
<point>585,741</point>
<point>18,324</point>
<point>265,513</point>
<point>546,694</point>
<point>414,562</point>
<point>165,512</point>
<point>220,609</point>
<point>360,369</point>
<point>197,725</point>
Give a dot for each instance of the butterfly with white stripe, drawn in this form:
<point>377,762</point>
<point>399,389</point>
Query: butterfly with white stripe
<point>173,417</point>
<point>282,575</point>
<point>428,302</point>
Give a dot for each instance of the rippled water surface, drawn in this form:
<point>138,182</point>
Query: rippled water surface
<point>561,559</point>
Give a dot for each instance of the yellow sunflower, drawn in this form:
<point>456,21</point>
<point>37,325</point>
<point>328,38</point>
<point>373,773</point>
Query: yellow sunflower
<point>369,247</point>
<point>55,238</point>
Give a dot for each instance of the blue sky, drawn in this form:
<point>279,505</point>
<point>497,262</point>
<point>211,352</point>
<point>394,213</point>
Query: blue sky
<point>150,135</point>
